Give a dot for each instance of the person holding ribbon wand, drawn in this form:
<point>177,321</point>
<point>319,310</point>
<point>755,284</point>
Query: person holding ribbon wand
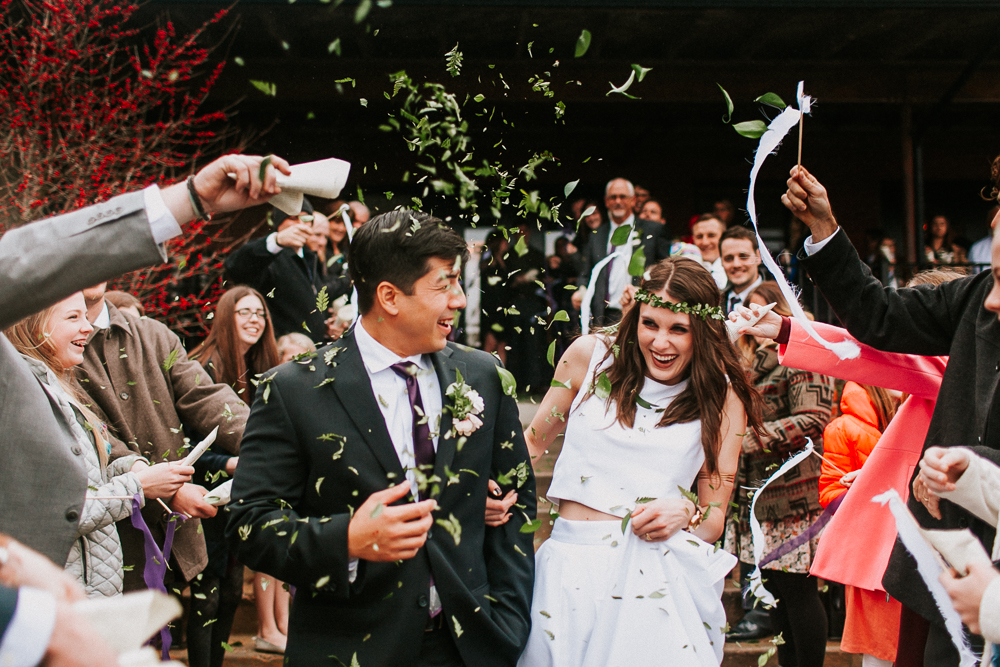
<point>648,412</point>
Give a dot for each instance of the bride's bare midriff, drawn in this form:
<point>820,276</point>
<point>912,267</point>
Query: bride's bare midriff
<point>574,511</point>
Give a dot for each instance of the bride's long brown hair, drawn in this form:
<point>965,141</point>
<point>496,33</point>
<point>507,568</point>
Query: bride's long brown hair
<point>713,359</point>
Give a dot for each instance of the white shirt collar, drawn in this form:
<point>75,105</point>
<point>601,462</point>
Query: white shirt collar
<point>378,357</point>
<point>103,319</point>
<point>743,294</point>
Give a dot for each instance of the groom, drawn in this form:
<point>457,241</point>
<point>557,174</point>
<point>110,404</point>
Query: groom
<point>356,484</point>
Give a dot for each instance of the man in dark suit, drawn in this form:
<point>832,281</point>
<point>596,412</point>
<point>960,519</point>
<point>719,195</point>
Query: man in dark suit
<point>959,319</point>
<point>335,446</point>
<point>283,268</point>
<point>614,278</point>
<point>741,261</point>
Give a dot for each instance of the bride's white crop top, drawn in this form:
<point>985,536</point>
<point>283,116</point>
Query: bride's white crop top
<point>608,467</point>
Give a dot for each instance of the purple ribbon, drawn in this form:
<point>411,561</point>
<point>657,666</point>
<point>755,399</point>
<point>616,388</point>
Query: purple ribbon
<point>810,532</point>
<point>155,570</point>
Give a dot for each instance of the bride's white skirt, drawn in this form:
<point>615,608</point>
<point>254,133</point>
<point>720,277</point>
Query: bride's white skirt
<point>603,599</point>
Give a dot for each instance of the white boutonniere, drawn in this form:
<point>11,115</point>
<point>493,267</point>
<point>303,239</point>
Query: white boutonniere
<point>466,404</point>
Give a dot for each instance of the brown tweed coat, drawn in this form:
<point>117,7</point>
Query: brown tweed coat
<point>140,378</point>
<point>798,405</point>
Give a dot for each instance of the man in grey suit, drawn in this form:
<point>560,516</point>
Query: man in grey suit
<point>42,486</point>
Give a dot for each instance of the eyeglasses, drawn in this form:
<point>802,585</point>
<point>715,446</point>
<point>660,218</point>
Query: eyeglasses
<point>247,312</point>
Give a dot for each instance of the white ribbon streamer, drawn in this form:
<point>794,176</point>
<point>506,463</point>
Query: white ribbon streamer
<point>350,239</point>
<point>769,143</point>
<point>585,306</point>
<point>930,569</point>
<point>756,585</point>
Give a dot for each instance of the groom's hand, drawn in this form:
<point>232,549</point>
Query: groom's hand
<point>379,532</point>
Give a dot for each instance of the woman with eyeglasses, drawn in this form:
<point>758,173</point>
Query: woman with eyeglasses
<point>240,346</point>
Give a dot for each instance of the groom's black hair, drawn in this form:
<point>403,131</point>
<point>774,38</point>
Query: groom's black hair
<point>394,247</point>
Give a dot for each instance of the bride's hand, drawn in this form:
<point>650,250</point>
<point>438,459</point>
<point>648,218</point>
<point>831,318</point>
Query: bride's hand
<point>768,327</point>
<point>661,519</point>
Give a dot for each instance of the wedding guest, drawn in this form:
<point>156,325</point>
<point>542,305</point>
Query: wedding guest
<point>45,262</point>
<point>641,197</point>
<point>51,342</point>
<point>605,302</point>
<point>741,261</point>
<point>962,477</point>
<point>292,345</point>
<point>871,627</point>
<point>361,213</point>
<point>125,301</point>
<point>959,319</point>
<point>706,232</point>
<point>283,268</point>
<point>979,253</point>
<point>374,584</point>
<point>588,225</point>
<point>798,406</point>
<point>652,211</point>
<point>238,349</point>
<point>725,211</point>
<point>940,246</point>
<point>888,466</point>
<point>497,298</point>
<point>142,383</point>
<point>629,575</point>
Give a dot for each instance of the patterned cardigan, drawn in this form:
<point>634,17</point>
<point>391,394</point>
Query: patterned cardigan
<point>798,405</point>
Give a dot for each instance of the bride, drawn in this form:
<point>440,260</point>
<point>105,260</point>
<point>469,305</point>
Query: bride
<point>630,575</point>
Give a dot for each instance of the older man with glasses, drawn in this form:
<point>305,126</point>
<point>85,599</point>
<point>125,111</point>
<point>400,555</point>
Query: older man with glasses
<point>614,279</point>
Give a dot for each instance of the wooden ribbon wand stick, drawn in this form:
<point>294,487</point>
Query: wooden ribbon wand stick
<point>801,118</point>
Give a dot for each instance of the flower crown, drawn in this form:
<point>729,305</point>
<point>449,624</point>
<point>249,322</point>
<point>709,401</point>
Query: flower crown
<point>700,309</point>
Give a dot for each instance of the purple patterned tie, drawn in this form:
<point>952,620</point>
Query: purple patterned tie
<point>423,446</point>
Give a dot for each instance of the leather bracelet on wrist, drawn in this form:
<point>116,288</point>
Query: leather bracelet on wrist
<point>196,205</point>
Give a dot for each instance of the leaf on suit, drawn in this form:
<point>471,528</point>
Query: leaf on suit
<point>319,482</point>
<point>452,525</point>
<point>322,581</point>
<point>508,382</point>
<point>322,300</point>
<point>458,627</point>
<point>620,237</point>
<point>531,526</point>
<point>637,265</point>
<point>171,359</point>
<point>324,383</point>
<point>354,661</point>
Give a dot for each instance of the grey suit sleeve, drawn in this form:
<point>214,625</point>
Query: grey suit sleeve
<point>44,262</point>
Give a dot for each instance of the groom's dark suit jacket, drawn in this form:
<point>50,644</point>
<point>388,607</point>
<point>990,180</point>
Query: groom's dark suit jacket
<point>315,447</point>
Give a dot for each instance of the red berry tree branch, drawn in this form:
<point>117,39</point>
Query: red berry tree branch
<point>92,106</point>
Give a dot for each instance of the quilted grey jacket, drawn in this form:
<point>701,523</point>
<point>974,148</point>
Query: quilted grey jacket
<point>96,557</point>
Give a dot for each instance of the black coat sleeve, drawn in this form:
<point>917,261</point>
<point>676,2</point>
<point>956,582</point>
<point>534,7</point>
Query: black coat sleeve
<point>919,320</point>
<point>245,265</point>
<point>509,553</point>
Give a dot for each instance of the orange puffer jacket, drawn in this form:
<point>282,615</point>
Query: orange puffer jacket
<point>847,441</point>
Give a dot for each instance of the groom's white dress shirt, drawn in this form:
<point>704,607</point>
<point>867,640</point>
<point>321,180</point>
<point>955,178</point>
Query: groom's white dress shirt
<point>393,399</point>
<point>394,402</point>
